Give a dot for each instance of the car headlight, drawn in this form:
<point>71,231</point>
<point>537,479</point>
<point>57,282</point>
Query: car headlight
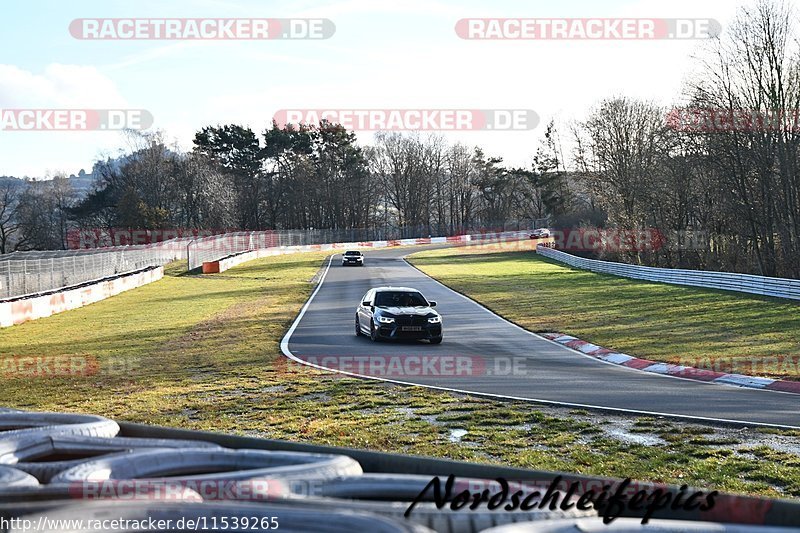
<point>385,320</point>
<point>435,320</point>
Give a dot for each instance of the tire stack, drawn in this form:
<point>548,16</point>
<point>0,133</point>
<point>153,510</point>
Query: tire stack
<point>56,468</point>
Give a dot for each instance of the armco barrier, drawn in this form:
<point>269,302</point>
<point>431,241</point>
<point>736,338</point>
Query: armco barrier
<point>17,311</point>
<point>775,287</point>
<point>221,265</point>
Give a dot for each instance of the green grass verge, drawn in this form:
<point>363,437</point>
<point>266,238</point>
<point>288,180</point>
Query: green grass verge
<point>202,352</point>
<point>709,329</point>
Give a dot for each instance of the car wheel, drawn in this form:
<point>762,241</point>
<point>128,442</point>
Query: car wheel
<point>373,332</point>
<point>358,328</point>
<point>436,340</point>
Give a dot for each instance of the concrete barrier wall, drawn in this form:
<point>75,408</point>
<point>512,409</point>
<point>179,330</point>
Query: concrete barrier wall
<point>18,311</point>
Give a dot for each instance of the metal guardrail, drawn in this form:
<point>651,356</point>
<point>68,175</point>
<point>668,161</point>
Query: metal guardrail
<point>747,283</point>
<point>26,273</point>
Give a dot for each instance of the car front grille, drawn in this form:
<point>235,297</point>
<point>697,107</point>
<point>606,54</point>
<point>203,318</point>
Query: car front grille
<point>411,320</point>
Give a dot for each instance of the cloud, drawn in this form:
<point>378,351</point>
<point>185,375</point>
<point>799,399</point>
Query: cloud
<point>58,86</point>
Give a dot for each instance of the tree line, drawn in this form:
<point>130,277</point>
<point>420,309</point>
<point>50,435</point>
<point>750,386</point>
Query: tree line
<point>314,177</point>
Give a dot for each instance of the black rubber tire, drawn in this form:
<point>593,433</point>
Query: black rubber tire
<point>187,465</point>
<point>370,492</point>
<point>11,477</point>
<point>73,492</point>
<point>437,340</point>
<point>358,328</point>
<point>445,520</point>
<point>290,519</point>
<point>89,447</point>
<point>23,424</point>
<point>373,333</point>
<point>391,487</point>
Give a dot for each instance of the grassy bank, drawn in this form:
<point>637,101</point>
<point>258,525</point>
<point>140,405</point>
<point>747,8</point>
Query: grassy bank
<point>703,328</point>
<point>202,352</point>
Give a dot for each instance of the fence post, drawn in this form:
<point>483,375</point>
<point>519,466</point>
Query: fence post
<point>8,278</point>
<point>188,256</point>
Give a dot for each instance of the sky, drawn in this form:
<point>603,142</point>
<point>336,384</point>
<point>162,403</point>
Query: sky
<point>383,55</point>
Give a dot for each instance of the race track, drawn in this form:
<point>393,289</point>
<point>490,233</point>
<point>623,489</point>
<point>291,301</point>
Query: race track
<point>482,353</point>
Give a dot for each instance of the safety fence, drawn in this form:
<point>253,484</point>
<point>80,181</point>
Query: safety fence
<point>747,283</point>
<point>27,273</point>
<point>24,274</point>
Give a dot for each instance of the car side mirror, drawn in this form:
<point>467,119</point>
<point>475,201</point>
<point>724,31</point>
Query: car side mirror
<point>432,303</point>
<point>366,304</point>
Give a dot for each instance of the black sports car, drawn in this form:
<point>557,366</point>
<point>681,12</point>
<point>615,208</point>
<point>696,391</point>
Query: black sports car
<point>398,313</point>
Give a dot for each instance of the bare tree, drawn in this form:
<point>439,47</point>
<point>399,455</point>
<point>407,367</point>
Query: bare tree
<point>9,224</point>
<point>754,71</point>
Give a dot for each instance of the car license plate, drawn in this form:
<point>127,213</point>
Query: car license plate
<point>410,328</point>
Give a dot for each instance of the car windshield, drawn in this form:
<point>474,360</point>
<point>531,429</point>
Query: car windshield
<point>400,299</point>
<point>352,253</point>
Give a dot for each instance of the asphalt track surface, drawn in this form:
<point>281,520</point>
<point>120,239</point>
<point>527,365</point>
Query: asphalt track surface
<point>485,354</point>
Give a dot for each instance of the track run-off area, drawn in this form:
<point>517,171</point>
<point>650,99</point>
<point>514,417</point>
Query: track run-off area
<point>486,355</point>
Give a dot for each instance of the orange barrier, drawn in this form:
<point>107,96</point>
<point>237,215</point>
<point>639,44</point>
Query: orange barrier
<point>211,267</point>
